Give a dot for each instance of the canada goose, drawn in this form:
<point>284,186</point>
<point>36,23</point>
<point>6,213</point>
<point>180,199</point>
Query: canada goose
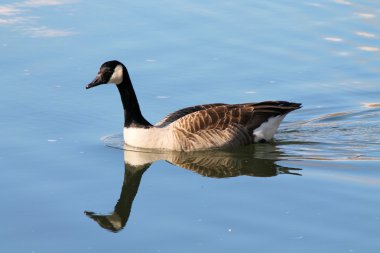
<point>193,128</point>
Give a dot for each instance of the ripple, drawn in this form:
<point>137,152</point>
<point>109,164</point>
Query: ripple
<point>339,136</point>
<point>333,39</point>
<point>366,15</point>
<point>371,105</point>
<point>20,15</point>
<point>114,141</point>
<point>344,2</point>
<point>9,10</point>
<point>365,34</point>
<point>369,49</point>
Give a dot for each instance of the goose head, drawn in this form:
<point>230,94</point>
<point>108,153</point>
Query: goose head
<point>110,72</point>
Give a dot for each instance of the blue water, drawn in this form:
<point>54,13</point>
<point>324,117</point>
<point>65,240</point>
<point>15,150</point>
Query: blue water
<point>315,189</point>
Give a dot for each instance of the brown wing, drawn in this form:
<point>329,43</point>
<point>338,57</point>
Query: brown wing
<point>226,125</point>
<point>183,112</point>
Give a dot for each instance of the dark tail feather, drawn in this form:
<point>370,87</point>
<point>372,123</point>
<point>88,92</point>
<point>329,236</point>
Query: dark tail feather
<point>282,107</point>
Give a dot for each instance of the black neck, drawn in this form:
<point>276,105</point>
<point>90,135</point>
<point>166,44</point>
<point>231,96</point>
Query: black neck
<point>132,113</point>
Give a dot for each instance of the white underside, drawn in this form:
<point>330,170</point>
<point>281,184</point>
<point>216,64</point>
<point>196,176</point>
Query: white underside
<point>267,130</point>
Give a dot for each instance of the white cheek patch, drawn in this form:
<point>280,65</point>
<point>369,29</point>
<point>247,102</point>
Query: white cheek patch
<point>117,76</point>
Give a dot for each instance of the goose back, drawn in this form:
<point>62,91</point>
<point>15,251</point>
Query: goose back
<point>183,112</point>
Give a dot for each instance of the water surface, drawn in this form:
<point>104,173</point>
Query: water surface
<point>64,171</point>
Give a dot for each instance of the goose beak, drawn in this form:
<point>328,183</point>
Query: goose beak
<point>97,81</point>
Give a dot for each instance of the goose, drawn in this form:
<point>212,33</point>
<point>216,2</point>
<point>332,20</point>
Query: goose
<point>199,127</point>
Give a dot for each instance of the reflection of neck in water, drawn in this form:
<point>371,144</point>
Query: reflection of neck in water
<point>216,164</point>
<point>116,221</point>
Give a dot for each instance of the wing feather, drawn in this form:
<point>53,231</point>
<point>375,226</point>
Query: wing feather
<point>183,112</point>
<point>226,125</point>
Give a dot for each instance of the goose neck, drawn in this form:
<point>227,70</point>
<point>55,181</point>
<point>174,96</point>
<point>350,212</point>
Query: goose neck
<point>132,113</point>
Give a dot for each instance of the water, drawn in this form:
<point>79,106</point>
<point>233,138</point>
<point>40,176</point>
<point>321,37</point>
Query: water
<point>314,189</point>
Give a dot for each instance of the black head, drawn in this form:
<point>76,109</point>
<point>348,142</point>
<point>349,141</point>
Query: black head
<point>109,72</point>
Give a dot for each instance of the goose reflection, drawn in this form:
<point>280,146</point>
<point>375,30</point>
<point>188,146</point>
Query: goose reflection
<point>248,161</point>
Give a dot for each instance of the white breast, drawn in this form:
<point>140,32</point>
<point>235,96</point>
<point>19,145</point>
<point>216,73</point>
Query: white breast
<point>152,138</point>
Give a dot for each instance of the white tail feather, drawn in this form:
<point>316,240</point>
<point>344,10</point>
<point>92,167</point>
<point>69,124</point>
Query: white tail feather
<point>267,129</point>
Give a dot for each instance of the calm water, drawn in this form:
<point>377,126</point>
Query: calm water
<point>66,182</point>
